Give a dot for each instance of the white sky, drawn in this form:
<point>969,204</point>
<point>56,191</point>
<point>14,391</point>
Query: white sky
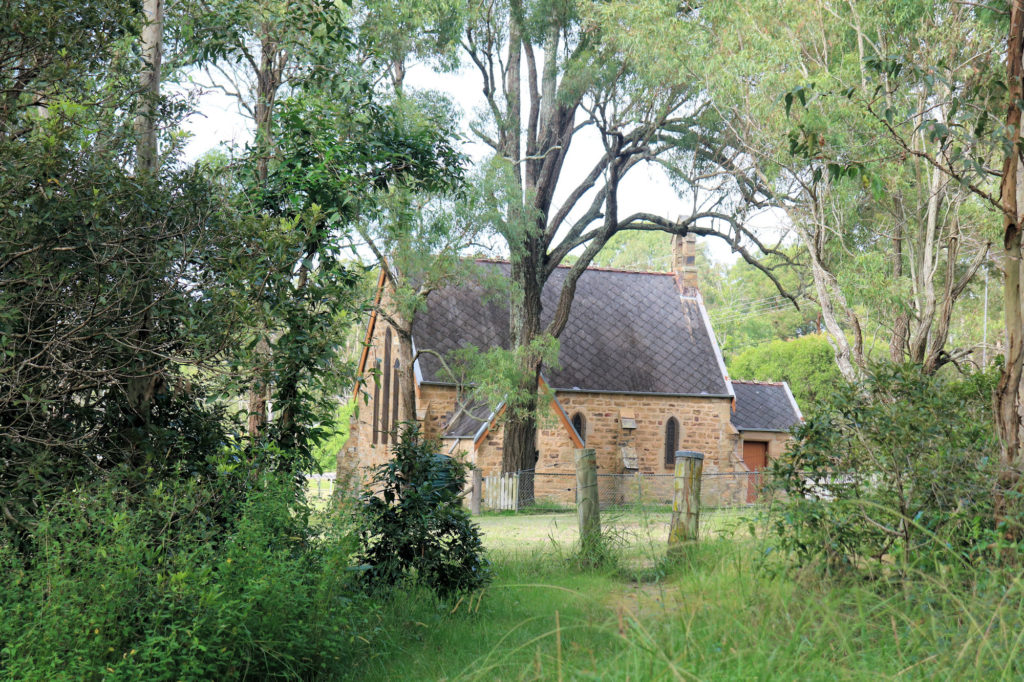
<point>645,188</point>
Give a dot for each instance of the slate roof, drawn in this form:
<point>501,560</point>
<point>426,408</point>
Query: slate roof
<point>627,332</point>
<point>468,420</point>
<point>764,406</point>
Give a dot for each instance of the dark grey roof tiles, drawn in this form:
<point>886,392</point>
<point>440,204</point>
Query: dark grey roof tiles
<point>762,406</point>
<point>468,419</point>
<point>627,332</point>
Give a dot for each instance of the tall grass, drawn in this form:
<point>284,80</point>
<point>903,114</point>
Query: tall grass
<point>723,610</point>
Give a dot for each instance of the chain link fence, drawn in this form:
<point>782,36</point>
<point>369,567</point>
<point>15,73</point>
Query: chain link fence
<point>557,491</point>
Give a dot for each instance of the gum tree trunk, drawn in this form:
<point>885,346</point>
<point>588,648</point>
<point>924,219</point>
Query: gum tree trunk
<point>520,429</point>
<point>142,387</point>
<point>1006,399</point>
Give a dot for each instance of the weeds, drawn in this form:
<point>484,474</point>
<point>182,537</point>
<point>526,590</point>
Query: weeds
<point>724,609</point>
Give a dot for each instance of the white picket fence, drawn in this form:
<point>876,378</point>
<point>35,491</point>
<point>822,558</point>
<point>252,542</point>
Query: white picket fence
<point>320,485</point>
<point>501,491</point>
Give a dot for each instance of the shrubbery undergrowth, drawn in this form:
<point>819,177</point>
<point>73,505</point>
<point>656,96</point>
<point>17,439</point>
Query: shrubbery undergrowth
<point>153,586</point>
<point>413,526</point>
<point>892,475</point>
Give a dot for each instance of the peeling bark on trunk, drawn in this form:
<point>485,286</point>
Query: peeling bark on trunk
<point>849,359</point>
<point>928,267</point>
<point>1006,399</point>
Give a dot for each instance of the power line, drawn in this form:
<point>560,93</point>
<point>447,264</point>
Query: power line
<point>735,305</point>
<point>753,312</point>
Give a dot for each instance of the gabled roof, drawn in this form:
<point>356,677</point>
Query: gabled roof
<point>469,419</point>
<point>473,419</point>
<point>764,406</point>
<point>628,332</point>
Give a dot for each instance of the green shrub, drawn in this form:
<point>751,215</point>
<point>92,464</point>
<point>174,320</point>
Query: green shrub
<point>896,472</point>
<point>807,363</point>
<point>160,591</point>
<point>413,525</point>
<point>326,451</point>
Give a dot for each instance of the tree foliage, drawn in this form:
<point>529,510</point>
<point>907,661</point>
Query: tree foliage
<point>413,525</point>
<point>897,471</point>
<point>805,363</point>
<point>879,224</point>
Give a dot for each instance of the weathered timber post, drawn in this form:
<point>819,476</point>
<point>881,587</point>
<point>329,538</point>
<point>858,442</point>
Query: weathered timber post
<point>686,498</point>
<point>588,508</point>
<point>474,495</point>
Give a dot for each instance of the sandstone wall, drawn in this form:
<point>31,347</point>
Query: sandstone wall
<point>704,426</point>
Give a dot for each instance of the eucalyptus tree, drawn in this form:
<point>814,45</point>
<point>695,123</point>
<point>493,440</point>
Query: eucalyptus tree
<point>393,32</point>
<point>108,268</point>
<point>254,51</point>
<point>852,183</point>
<point>942,86</point>
<point>327,147</point>
<point>557,75</point>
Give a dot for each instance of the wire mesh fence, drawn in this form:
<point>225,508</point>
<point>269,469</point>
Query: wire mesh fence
<point>557,490</point>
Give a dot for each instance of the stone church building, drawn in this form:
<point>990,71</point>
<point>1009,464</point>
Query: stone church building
<point>640,375</point>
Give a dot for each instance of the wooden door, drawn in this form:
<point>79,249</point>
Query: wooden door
<point>755,456</point>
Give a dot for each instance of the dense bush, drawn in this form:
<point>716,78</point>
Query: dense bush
<point>896,472</point>
<point>807,363</point>
<point>413,525</point>
<point>150,586</point>
<point>326,451</point>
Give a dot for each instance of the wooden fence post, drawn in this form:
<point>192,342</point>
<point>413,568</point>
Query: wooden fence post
<point>686,500</point>
<point>474,495</point>
<point>588,508</point>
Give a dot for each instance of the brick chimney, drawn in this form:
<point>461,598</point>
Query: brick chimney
<point>684,260</point>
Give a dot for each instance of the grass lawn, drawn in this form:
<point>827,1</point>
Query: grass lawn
<point>715,614</point>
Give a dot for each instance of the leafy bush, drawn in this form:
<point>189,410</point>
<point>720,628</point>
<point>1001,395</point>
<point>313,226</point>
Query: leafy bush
<point>896,471</point>
<point>807,363</point>
<point>413,525</point>
<point>326,451</point>
<point>158,591</point>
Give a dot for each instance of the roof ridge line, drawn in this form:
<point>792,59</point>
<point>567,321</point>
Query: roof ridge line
<point>596,268</point>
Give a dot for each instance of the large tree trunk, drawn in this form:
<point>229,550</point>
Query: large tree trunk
<point>406,376</point>
<point>268,82</point>
<point>1006,399</point>
<point>520,446</point>
<point>142,387</point>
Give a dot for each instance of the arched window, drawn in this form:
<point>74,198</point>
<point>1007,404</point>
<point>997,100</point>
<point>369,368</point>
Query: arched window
<point>385,412</point>
<point>395,397</point>
<point>376,402</point>
<point>671,441</point>
<point>580,424</point>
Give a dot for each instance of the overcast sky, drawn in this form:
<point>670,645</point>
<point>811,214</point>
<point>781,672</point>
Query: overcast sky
<point>645,188</point>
